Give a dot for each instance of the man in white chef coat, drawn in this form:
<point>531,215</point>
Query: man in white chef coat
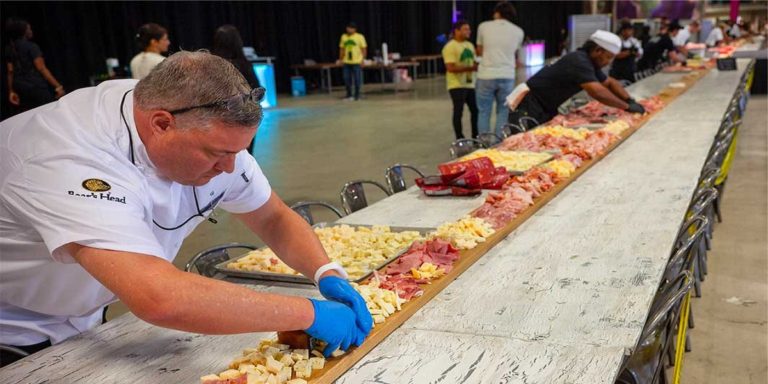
<point>99,189</point>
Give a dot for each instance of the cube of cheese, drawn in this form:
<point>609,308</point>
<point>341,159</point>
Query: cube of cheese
<point>272,379</point>
<point>282,347</point>
<point>300,354</point>
<point>317,363</point>
<point>285,374</point>
<point>338,353</point>
<point>317,353</point>
<point>247,368</point>
<point>287,360</point>
<point>271,351</point>
<point>208,378</point>
<point>230,374</point>
<point>273,366</point>
<point>378,319</point>
<point>256,378</point>
<point>296,381</point>
<point>302,369</point>
<point>240,360</point>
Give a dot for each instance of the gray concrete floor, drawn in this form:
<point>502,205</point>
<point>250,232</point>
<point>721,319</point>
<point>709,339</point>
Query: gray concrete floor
<point>309,147</point>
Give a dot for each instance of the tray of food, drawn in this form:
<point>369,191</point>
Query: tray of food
<point>360,249</point>
<point>516,162</point>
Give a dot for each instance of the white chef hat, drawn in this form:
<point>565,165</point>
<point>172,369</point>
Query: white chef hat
<point>609,41</point>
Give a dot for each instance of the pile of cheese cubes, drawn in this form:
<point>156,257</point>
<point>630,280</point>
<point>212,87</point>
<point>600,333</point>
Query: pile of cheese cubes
<point>563,168</point>
<point>358,249</point>
<point>617,127</point>
<point>465,233</point>
<point>270,363</point>
<point>511,160</point>
<point>559,130</point>
<point>382,303</point>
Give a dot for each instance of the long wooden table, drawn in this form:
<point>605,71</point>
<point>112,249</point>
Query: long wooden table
<point>326,81</point>
<point>561,300</point>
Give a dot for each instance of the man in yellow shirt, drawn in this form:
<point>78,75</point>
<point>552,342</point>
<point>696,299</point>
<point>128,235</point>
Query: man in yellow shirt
<point>460,66</point>
<point>352,52</point>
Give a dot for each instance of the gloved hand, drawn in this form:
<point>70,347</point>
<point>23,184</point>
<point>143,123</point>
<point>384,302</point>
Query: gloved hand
<point>635,108</point>
<point>338,289</point>
<point>335,324</point>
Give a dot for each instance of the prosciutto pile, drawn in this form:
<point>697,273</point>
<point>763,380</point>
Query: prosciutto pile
<point>502,207</point>
<point>595,112</point>
<point>397,276</point>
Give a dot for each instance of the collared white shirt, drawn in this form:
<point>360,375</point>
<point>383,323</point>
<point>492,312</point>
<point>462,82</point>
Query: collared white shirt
<point>500,40</point>
<point>67,177</point>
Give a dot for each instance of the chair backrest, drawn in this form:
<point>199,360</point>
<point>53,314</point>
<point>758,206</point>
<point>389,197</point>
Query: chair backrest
<point>205,261</point>
<point>353,195</point>
<point>528,122</point>
<point>395,179</point>
<point>686,246</point>
<point>489,139</point>
<point>510,129</point>
<point>667,299</point>
<point>304,209</point>
<point>702,201</point>
<point>463,147</point>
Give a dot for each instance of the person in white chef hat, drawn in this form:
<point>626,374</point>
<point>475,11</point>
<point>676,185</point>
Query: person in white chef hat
<point>540,96</point>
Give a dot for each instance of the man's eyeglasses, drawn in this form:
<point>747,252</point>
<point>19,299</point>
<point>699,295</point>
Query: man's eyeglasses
<point>234,103</point>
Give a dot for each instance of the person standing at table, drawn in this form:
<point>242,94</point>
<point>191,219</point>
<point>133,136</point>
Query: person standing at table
<point>540,96</point>
<point>684,35</point>
<point>625,63</point>
<point>661,48</point>
<point>498,41</point>
<point>153,41</point>
<point>352,51</point>
<point>460,67</point>
<point>30,83</point>
<point>717,36</point>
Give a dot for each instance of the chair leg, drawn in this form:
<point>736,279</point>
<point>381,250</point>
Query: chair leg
<point>716,204</point>
<point>703,259</point>
<point>671,354</point>
<point>691,324</point>
<point>697,287</point>
<point>688,347</point>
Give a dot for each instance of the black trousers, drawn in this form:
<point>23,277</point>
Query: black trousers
<point>7,357</point>
<point>10,357</point>
<point>459,97</point>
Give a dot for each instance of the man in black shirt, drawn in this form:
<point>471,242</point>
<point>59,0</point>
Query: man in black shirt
<point>578,70</point>
<point>660,45</point>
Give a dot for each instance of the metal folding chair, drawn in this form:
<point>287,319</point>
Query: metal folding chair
<point>395,179</point>
<point>489,139</point>
<point>510,129</point>
<point>304,209</point>
<point>646,363</point>
<point>205,261</point>
<point>462,147</point>
<point>353,195</point>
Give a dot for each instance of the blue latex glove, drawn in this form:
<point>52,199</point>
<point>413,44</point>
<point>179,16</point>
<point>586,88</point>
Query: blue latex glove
<point>335,324</point>
<point>338,289</point>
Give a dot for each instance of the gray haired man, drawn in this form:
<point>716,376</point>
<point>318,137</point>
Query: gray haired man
<point>99,189</point>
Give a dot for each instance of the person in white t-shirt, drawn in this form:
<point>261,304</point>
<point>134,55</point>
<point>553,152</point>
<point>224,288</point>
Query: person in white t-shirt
<point>684,35</point>
<point>498,41</point>
<point>716,35</point>
<point>153,41</point>
<point>99,189</point>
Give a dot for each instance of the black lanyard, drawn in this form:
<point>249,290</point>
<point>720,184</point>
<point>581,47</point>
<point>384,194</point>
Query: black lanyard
<point>194,189</point>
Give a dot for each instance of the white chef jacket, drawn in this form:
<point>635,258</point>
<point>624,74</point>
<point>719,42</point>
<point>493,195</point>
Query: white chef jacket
<point>66,176</point>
